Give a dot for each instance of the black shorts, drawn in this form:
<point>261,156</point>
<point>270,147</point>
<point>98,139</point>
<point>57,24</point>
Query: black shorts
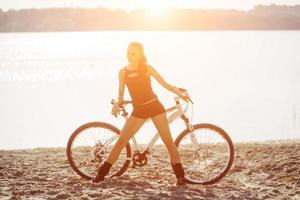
<point>148,110</point>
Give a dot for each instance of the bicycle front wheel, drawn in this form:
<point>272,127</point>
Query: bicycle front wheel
<point>89,146</point>
<point>206,153</point>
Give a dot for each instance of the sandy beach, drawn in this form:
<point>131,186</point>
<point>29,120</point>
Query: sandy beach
<point>261,170</point>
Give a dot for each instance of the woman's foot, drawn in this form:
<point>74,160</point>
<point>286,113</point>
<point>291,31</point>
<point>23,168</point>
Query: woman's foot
<point>102,172</point>
<point>98,178</point>
<point>179,173</point>
<point>181,181</point>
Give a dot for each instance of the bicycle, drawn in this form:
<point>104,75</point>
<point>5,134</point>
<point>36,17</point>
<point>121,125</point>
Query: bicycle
<point>206,150</point>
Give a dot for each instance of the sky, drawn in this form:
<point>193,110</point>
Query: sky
<point>134,4</point>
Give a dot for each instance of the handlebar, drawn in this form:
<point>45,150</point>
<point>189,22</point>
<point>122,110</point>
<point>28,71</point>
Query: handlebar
<point>182,90</point>
<point>125,102</point>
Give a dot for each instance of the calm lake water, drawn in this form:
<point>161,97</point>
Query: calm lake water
<point>247,82</point>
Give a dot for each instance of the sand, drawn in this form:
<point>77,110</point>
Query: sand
<point>260,171</point>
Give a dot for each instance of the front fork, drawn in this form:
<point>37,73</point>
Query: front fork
<point>190,127</point>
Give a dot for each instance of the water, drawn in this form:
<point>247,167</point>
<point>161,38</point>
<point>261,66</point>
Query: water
<point>247,82</point>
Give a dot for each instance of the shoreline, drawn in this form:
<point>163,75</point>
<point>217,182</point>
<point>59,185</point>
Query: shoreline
<point>278,142</point>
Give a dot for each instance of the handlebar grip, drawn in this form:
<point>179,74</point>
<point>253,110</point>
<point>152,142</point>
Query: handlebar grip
<point>124,102</point>
<point>112,101</point>
<point>180,89</point>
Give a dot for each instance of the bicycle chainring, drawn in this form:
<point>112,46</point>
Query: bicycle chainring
<point>97,152</point>
<point>139,159</point>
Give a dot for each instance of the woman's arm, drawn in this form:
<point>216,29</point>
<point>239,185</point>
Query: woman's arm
<point>166,85</point>
<point>115,108</point>
<point>121,86</point>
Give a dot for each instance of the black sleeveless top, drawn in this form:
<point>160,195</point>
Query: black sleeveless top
<point>139,87</point>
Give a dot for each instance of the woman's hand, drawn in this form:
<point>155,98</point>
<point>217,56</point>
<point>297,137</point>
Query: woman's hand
<point>184,96</point>
<point>182,93</point>
<point>115,109</point>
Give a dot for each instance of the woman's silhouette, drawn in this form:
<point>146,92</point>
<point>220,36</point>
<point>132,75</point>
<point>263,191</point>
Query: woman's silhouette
<point>136,76</point>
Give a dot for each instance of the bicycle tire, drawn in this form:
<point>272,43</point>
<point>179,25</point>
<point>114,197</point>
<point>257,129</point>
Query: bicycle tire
<point>227,141</point>
<point>99,125</point>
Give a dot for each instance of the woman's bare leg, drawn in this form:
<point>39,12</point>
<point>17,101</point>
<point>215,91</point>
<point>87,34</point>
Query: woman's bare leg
<point>132,125</point>
<point>162,125</point>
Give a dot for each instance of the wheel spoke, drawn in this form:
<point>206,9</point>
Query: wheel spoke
<point>211,158</point>
<point>90,145</point>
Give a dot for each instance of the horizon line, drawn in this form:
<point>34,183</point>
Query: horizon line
<point>147,8</point>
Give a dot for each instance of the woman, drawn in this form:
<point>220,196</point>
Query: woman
<point>136,76</point>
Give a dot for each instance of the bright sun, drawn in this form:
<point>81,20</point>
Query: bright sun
<point>156,11</point>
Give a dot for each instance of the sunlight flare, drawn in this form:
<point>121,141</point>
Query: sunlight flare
<point>156,11</point>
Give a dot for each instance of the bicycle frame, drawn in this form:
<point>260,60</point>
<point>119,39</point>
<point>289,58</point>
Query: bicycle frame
<point>176,112</point>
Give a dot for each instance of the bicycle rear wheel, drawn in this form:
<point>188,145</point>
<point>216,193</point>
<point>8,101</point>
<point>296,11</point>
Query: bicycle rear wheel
<point>89,146</point>
<point>206,154</point>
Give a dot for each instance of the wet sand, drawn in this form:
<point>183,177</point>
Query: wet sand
<point>265,170</point>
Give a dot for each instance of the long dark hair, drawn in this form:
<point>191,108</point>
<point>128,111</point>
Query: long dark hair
<point>142,68</point>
